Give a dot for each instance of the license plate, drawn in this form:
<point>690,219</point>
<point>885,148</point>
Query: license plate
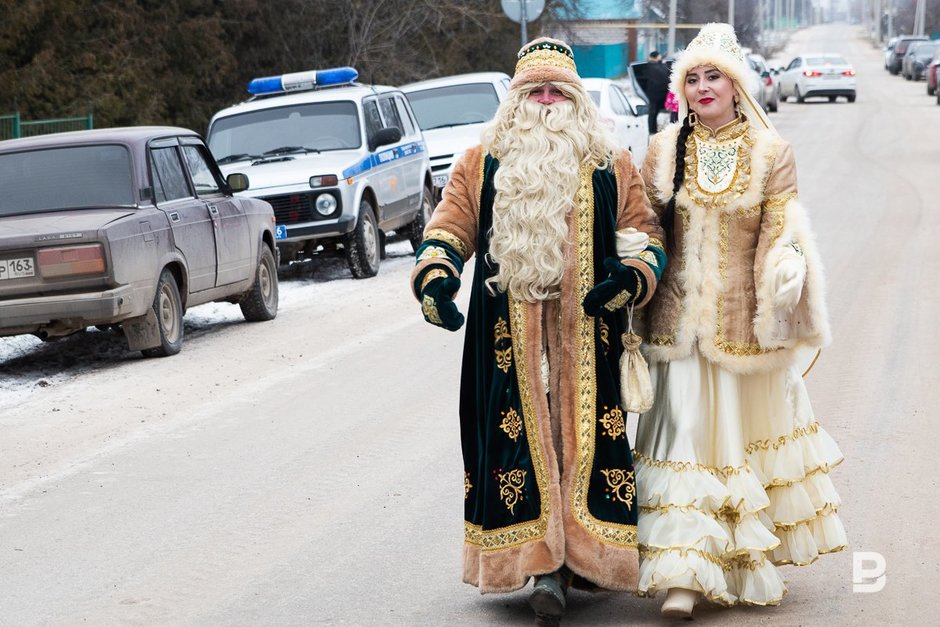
<point>440,180</point>
<point>280,232</point>
<point>17,268</point>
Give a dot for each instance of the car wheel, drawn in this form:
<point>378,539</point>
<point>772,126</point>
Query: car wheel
<point>930,90</point>
<point>850,98</point>
<point>799,97</point>
<point>260,302</point>
<point>362,245</point>
<point>774,104</point>
<point>832,98</point>
<point>416,228</point>
<point>169,311</point>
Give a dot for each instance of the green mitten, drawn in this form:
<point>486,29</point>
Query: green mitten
<point>623,286</point>
<point>437,301</point>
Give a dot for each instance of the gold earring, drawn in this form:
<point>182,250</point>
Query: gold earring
<point>693,118</point>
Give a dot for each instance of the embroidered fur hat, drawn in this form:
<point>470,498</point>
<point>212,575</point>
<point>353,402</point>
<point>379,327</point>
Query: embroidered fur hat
<point>716,44</point>
<point>545,60</point>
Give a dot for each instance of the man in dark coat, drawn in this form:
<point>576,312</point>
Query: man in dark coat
<point>657,86</point>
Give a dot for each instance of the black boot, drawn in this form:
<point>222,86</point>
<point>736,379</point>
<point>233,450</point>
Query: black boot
<point>548,597</point>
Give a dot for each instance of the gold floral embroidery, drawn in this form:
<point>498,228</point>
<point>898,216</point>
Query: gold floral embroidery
<point>620,485</point>
<point>585,377</point>
<point>432,252</point>
<point>655,242</point>
<point>511,424</point>
<point>605,335</point>
<point>429,307</point>
<point>510,487</point>
<point>449,238</point>
<point>501,330</point>
<point>649,257</point>
<point>718,171</point>
<point>614,422</point>
<point>467,486</point>
<point>502,345</point>
<point>504,358</point>
<point>677,466</point>
<point>799,432</point>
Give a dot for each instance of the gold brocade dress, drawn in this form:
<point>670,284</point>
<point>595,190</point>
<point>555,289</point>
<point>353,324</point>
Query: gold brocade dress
<point>732,477</point>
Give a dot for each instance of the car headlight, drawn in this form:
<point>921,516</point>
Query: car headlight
<point>326,204</point>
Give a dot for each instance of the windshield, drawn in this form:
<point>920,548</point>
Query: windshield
<point>308,127</point>
<point>64,178</point>
<point>454,105</point>
<point>596,97</point>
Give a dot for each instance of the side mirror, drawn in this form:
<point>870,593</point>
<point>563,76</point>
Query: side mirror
<point>388,135</point>
<point>237,182</point>
<point>765,74</point>
<point>642,109</point>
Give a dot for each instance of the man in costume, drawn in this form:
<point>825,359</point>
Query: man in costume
<point>564,238</point>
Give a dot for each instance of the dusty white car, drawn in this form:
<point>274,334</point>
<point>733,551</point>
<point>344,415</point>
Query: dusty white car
<point>621,116</point>
<point>811,75</point>
<point>451,111</point>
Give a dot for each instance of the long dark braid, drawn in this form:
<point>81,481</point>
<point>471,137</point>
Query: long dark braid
<point>669,213</point>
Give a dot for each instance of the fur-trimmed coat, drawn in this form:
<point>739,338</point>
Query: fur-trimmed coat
<point>525,514</point>
<point>737,220</point>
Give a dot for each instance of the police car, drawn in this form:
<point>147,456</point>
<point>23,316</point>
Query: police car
<point>342,163</point>
<point>451,111</point>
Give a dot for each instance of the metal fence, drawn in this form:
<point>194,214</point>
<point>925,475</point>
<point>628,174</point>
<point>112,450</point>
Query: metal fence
<point>11,126</point>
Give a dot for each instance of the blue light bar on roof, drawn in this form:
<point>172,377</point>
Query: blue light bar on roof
<point>299,81</point>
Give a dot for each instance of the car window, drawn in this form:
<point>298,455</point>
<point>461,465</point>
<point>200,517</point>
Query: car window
<point>315,126</point>
<point>616,103</point>
<point>60,178</point>
<point>795,63</point>
<point>409,128</point>
<point>596,97</point>
<point>370,111</point>
<point>390,112</point>
<point>169,181</point>
<point>204,179</point>
<point>453,105</point>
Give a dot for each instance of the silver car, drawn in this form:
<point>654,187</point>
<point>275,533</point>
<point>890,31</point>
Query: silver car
<point>129,227</point>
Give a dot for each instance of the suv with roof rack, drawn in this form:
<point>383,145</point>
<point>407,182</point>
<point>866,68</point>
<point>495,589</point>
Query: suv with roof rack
<point>342,163</point>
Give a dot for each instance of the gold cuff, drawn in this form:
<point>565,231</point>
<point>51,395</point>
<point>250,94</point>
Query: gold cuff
<point>436,273</point>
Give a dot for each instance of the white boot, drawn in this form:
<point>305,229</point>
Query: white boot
<point>679,603</point>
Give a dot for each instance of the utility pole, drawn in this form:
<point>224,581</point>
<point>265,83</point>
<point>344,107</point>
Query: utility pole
<point>671,40</point>
<point>919,17</point>
<point>731,13</point>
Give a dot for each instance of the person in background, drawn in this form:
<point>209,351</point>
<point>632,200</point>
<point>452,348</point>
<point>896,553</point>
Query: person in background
<point>657,86</point>
<point>564,238</point>
<point>732,465</point>
<point>672,106</point>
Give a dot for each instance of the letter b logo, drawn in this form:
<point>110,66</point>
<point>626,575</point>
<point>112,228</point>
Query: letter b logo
<point>868,571</point>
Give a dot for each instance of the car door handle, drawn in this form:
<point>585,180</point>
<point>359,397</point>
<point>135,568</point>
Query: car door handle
<point>213,210</point>
<point>174,216</point>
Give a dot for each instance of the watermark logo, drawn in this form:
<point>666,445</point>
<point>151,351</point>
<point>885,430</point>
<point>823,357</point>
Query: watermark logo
<point>868,571</point>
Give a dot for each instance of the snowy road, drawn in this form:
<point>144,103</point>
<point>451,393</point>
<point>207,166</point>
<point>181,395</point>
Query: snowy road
<point>308,470</point>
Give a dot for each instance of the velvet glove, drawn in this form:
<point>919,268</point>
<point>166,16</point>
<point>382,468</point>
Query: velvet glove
<point>437,302</point>
<point>622,287</point>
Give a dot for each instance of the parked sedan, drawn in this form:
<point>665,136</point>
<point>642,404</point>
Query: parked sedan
<point>627,124</point>
<point>914,65</point>
<point>129,227</point>
<point>931,73</point>
<point>812,75</point>
<point>899,50</point>
<point>768,94</point>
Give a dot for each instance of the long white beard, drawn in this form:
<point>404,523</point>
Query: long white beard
<point>535,187</point>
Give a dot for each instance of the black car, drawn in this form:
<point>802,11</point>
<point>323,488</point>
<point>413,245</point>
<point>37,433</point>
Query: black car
<point>899,50</point>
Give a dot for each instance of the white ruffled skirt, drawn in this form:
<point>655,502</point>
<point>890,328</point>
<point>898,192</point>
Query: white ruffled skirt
<point>732,478</point>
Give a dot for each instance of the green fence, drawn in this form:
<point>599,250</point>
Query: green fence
<point>11,126</point>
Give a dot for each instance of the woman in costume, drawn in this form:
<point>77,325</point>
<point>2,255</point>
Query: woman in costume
<point>731,465</point>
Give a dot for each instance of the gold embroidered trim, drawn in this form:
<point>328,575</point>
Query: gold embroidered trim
<point>618,301</point>
<point>778,202</point>
<point>449,238</point>
<point>429,307</point>
<point>502,538</point>
<point>544,58</point>
<point>431,275</point>
<point>605,335</point>
<point>620,485</point>
<point>797,433</point>
<point>662,340</point>
<point>676,466</point>
<point>511,424</point>
<point>585,377</point>
<point>657,243</point>
<point>467,486</point>
<point>732,130</point>
<point>649,257</point>
<point>510,487</point>
<point>614,422</point>
<point>647,553</point>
